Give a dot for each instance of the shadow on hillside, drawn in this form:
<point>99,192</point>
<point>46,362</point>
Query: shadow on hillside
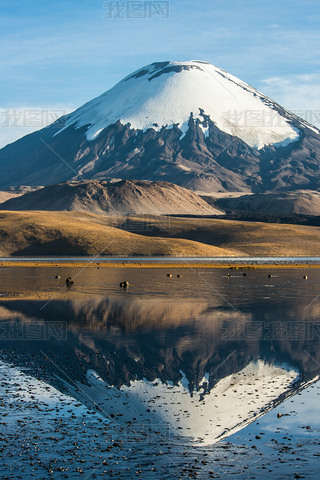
<point>59,246</point>
<point>215,237</point>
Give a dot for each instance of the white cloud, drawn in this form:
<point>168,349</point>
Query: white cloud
<point>298,93</point>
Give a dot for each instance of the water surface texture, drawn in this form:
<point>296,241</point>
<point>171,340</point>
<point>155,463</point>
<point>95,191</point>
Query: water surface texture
<point>194,360</point>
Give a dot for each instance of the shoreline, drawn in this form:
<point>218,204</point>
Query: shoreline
<point>161,264</point>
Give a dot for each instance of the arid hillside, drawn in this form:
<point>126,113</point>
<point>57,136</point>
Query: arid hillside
<point>117,198</point>
<point>76,233</point>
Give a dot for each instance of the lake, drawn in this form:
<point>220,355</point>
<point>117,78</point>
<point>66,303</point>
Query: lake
<point>203,361</point>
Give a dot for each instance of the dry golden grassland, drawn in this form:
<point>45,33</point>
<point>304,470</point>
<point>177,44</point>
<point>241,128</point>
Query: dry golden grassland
<point>40,233</point>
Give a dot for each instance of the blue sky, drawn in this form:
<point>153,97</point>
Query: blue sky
<point>60,54</point>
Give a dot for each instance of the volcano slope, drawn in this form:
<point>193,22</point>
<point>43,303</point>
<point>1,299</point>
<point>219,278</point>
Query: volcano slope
<point>189,123</point>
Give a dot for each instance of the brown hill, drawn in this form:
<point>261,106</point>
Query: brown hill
<point>75,233</point>
<point>246,238</point>
<point>121,197</point>
<point>69,233</point>
<point>14,192</point>
<point>299,202</point>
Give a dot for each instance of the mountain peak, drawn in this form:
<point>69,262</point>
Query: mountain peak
<point>156,69</point>
<point>190,123</point>
<point>164,94</point>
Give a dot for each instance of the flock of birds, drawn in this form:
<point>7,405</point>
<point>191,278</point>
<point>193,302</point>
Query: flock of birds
<point>125,284</point>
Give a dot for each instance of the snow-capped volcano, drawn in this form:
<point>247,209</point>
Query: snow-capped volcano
<point>205,418</point>
<point>167,94</point>
<point>189,123</point>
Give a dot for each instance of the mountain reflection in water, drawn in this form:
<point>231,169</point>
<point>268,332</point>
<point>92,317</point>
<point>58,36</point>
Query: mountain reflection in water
<point>199,366</point>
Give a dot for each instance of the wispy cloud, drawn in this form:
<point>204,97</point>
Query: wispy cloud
<point>66,52</point>
<point>295,92</point>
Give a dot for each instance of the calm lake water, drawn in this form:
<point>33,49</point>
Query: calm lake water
<point>199,357</point>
